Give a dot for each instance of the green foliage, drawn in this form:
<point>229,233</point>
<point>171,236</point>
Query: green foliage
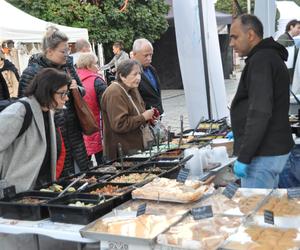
<point>105,23</point>
<point>227,6</point>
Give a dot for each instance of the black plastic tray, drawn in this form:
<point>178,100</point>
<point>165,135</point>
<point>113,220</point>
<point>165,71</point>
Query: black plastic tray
<point>119,198</point>
<point>98,175</point>
<point>59,210</point>
<point>11,209</point>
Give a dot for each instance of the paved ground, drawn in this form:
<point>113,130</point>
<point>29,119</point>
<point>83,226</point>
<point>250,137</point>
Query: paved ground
<point>174,105</point>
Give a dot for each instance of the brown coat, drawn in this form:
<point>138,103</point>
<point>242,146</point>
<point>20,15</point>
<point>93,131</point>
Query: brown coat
<point>121,122</point>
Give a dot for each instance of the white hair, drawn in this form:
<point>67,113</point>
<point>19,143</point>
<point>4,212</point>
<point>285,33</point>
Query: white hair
<point>140,43</point>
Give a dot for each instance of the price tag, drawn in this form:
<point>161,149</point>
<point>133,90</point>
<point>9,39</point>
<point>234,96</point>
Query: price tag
<point>200,213</point>
<point>9,192</point>
<point>230,190</point>
<point>117,246</point>
<point>293,193</point>
<point>141,209</point>
<point>183,175</point>
<point>269,217</point>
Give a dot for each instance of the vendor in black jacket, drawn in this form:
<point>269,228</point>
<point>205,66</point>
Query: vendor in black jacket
<point>259,110</point>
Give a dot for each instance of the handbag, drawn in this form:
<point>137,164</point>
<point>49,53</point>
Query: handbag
<point>146,131</point>
<point>85,116</point>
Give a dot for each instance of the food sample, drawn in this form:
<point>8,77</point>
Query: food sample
<point>144,226</point>
<point>265,238</point>
<point>248,204</point>
<point>90,180</point>
<point>170,190</point>
<point>81,204</point>
<point>126,164</point>
<point>57,188</point>
<point>111,190</point>
<point>171,154</point>
<point>200,234</point>
<point>154,169</point>
<point>108,169</point>
<point>30,201</point>
<point>282,206</point>
<point>133,178</point>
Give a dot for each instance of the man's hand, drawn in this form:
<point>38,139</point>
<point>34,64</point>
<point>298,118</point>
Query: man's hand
<point>240,169</point>
<point>229,135</point>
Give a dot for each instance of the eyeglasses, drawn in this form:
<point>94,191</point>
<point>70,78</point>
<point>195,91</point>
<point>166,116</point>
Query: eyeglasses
<point>62,94</point>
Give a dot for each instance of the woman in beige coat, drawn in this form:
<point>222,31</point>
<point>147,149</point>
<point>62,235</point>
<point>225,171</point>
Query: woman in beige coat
<point>122,120</point>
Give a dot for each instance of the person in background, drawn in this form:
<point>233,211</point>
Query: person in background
<point>122,120</point>
<point>30,159</point>
<point>95,85</point>
<point>9,79</point>
<point>150,85</point>
<point>12,53</point>
<point>55,55</point>
<point>81,46</point>
<point>259,110</point>
<point>120,55</point>
<point>292,29</point>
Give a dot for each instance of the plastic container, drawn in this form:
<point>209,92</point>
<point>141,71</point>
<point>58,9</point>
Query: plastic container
<point>11,208</point>
<point>194,164</point>
<point>60,211</point>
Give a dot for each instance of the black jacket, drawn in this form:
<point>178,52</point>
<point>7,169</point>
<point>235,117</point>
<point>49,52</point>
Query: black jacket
<point>259,110</point>
<point>8,65</point>
<point>151,97</point>
<point>65,119</point>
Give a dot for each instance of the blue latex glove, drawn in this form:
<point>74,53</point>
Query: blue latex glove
<point>240,169</point>
<point>229,135</point>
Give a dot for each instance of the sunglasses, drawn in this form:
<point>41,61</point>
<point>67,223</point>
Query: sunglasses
<point>63,94</point>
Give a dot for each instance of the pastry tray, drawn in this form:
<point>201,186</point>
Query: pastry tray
<point>104,236</point>
<point>11,209</point>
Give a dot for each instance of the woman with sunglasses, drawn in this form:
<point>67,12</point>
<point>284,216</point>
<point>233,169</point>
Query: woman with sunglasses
<point>55,55</point>
<point>29,160</point>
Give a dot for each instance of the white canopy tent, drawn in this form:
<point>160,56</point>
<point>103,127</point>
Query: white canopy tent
<point>22,27</point>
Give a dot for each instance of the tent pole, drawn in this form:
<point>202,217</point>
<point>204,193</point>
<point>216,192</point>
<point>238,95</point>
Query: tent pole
<point>205,65</point>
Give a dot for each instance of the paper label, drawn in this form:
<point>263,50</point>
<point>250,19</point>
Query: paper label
<point>230,190</point>
<point>183,174</point>
<point>200,213</point>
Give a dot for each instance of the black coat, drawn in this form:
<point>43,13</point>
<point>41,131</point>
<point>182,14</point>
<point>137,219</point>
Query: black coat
<point>151,97</point>
<point>65,119</point>
<point>259,110</point>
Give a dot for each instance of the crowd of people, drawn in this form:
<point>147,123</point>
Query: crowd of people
<point>54,145</point>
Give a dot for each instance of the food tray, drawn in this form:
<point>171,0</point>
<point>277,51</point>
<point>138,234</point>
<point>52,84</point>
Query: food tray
<point>90,177</point>
<point>244,202</point>
<point>202,234</point>
<point>162,189</point>
<point>59,210</point>
<point>286,211</point>
<point>257,237</point>
<point>11,209</point>
<point>141,226</point>
<point>120,197</point>
<point>139,181</point>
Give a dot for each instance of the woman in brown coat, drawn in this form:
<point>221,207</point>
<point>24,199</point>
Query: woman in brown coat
<point>122,120</point>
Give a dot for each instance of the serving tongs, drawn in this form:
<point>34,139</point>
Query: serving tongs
<point>198,124</point>
<point>71,184</point>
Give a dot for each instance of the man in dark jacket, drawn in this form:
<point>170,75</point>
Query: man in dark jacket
<point>149,86</point>
<point>259,110</point>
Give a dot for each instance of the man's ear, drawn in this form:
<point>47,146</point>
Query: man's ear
<point>251,35</point>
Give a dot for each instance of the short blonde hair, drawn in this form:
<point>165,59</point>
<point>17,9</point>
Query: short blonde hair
<point>86,60</point>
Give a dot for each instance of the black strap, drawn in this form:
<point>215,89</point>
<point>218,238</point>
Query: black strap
<point>27,118</point>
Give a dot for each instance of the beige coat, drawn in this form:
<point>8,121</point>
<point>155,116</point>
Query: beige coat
<point>121,121</point>
<point>12,82</point>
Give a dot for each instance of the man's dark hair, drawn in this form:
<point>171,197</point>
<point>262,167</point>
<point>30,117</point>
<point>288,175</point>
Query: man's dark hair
<point>251,22</point>
<point>45,84</point>
<point>125,68</point>
<point>119,45</point>
<point>292,23</point>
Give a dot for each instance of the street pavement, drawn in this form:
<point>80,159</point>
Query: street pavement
<point>174,105</point>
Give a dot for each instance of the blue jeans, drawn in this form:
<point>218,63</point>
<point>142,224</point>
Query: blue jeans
<point>290,176</point>
<point>263,171</point>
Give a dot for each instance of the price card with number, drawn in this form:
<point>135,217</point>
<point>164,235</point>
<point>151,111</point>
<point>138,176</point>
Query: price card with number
<point>230,190</point>
<point>200,213</point>
<point>293,193</point>
<point>141,209</point>
<point>269,217</point>
<point>183,175</point>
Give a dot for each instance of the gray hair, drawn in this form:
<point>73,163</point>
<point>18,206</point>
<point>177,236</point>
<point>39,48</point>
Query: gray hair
<point>138,44</point>
<point>53,38</point>
<point>82,43</point>
<point>86,60</point>
<point>125,68</point>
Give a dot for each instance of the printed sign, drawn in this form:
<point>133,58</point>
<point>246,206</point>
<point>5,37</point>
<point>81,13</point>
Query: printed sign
<point>269,217</point>
<point>141,209</point>
<point>230,190</point>
<point>183,174</point>
<point>200,213</point>
<point>293,193</point>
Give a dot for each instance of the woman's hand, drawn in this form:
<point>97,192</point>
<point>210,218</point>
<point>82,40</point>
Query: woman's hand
<point>73,84</point>
<point>148,114</point>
